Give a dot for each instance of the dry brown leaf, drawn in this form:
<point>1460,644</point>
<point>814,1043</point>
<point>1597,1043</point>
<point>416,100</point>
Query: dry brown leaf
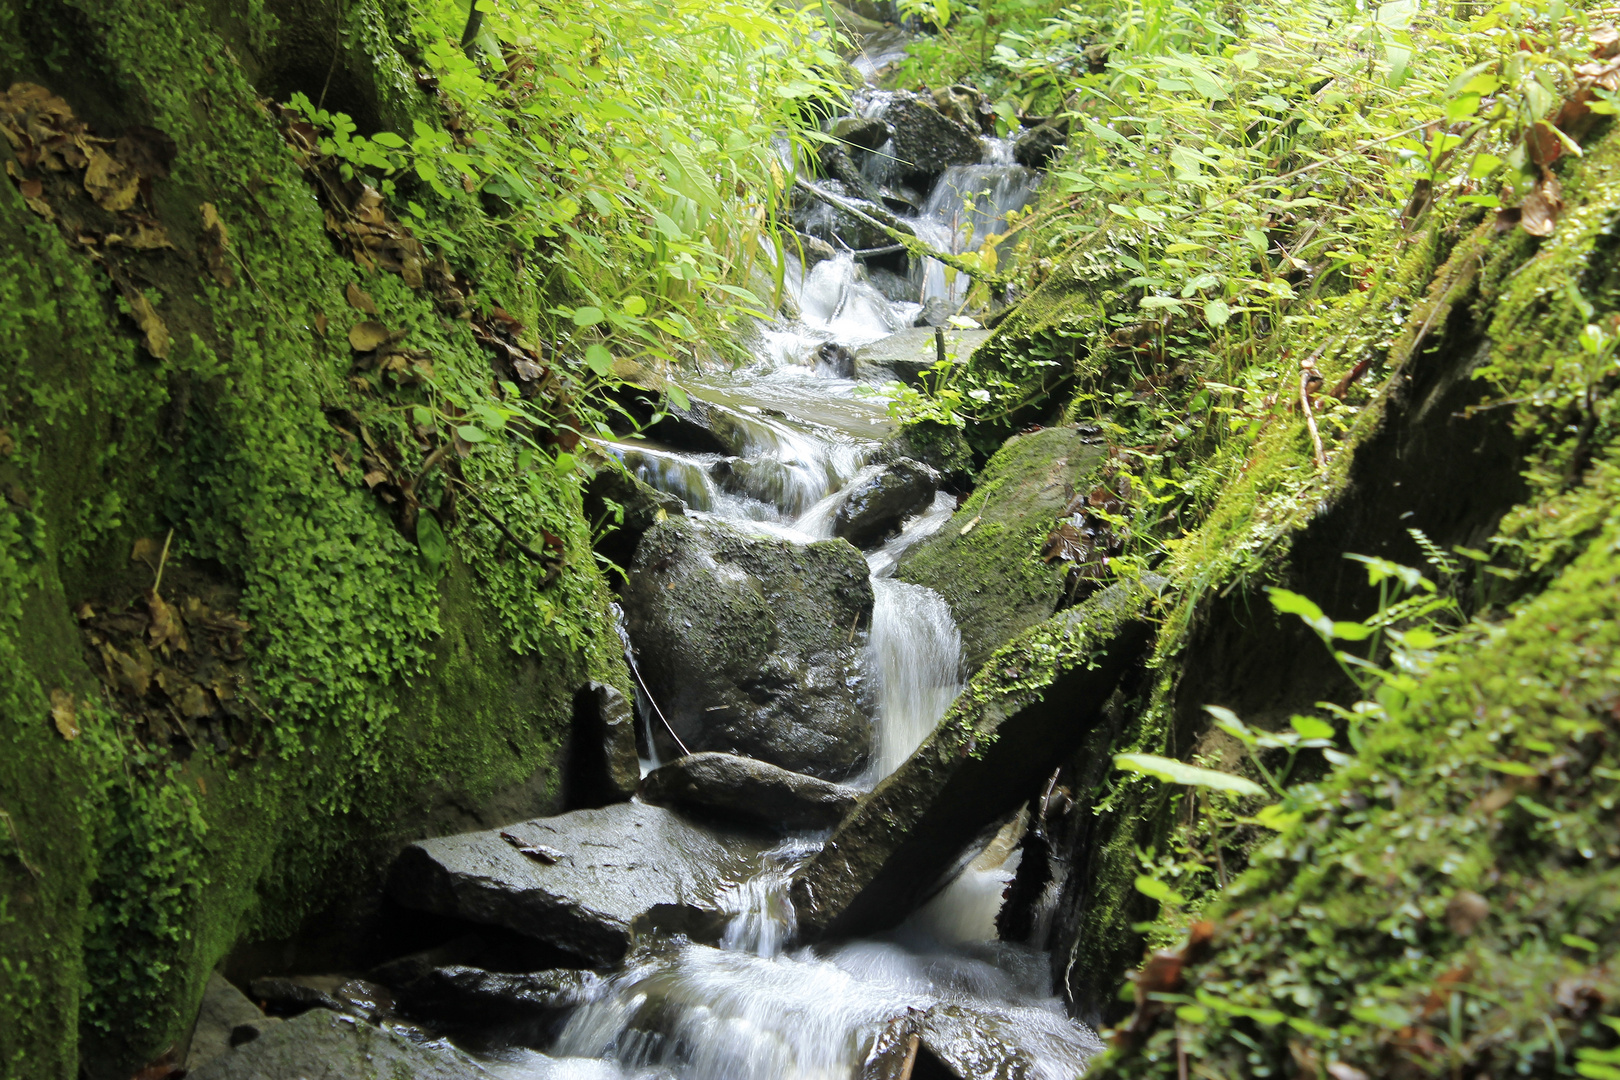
<point>216,245</point>
<point>147,550</point>
<point>113,185</point>
<point>132,674</point>
<point>1465,911</point>
<point>1543,143</point>
<point>359,299</point>
<point>368,335</point>
<point>1605,42</point>
<point>321,323</point>
<point>213,224</point>
<point>146,317</point>
<point>374,477</point>
<point>167,631</point>
<point>64,715</point>
<point>194,702</point>
<point>1540,211</point>
<point>338,463</point>
<point>32,192</point>
<point>146,236</point>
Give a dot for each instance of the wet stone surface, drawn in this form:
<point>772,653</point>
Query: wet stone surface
<point>751,644</point>
<point>751,790</point>
<point>322,1045</point>
<point>588,881</point>
<point>880,500</point>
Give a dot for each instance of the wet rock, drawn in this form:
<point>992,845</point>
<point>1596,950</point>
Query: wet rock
<point>835,225</point>
<point>590,880</point>
<point>461,993</point>
<point>1017,721</point>
<point>812,251</point>
<point>322,1045</point>
<point>967,106</point>
<point>605,767</point>
<point>1036,147</point>
<point>292,995</point>
<point>909,353</point>
<point>958,1042</point>
<point>835,360</point>
<point>764,479</point>
<point>753,790</point>
<point>642,503</point>
<point>991,575</point>
<point>879,500</point>
<point>926,141</point>
<point>836,164</point>
<point>896,288</point>
<point>704,427</point>
<point>862,132</point>
<point>749,645</point>
<point>226,1019</point>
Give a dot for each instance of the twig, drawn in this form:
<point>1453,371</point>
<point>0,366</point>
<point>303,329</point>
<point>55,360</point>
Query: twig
<point>162,561</point>
<point>897,230</point>
<point>1307,371</point>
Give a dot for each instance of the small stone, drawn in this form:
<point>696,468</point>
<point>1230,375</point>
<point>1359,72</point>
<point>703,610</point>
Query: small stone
<point>1465,912</point>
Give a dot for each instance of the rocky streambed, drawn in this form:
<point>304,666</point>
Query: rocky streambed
<point>783,863</point>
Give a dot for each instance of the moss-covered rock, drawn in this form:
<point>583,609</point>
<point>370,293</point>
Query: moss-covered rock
<point>392,694</point>
<point>992,574</point>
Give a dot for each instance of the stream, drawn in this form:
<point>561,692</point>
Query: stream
<point>759,1006</point>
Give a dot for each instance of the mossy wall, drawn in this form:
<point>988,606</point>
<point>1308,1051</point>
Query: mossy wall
<point>393,697</point>
<point>1343,946</point>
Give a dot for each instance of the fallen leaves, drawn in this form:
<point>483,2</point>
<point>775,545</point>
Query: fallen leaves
<point>359,299</point>
<point>216,245</point>
<point>1087,536</point>
<point>64,715</point>
<point>368,336</point>
<point>154,331</point>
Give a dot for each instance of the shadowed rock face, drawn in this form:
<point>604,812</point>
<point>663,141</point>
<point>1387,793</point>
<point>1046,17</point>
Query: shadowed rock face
<point>1019,719</point>
<point>605,768</point>
<point>322,1045</point>
<point>750,790</point>
<point>926,141</point>
<point>879,502</point>
<point>750,645</point>
<point>592,878</point>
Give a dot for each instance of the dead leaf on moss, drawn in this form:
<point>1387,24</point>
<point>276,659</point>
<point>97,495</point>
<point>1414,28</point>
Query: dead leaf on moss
<point>130,672</point>
<point>8,445</point>
<point>321,323</point>
<point>367,336</point>
<point>167,632</point>
<point>216,245</point>
<point>64,715</point>
<point>1539,212</point>
<point>1605,42</point>
<point>153,329</point>
<point>359,299</point>
<point>112,184</point>
<point>147,550</point>
<point>147,235</point>
<point>338,463</point>
<point>32,192</point>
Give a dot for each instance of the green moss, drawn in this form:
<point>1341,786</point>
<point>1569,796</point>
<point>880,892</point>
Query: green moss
<point>397,703</point>
<point>992,575</point>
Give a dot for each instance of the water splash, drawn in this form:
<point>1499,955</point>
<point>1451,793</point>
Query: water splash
<point>951,222</point>
<point>764,921</point>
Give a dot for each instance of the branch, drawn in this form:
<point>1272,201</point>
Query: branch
<point>899,231</point>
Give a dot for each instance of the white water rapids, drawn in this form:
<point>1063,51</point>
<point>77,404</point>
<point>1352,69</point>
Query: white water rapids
<point>757,1007</point>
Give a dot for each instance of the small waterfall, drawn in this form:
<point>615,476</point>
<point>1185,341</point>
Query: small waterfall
<point>834,300</point>
<point>765,921</point>
<point>916,651</point>
<point>949,222</point>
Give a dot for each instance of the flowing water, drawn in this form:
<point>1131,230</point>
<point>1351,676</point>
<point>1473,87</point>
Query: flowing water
<point>796,434</point>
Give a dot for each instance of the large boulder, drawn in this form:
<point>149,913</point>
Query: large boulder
<point>1016,722</point>
<point>913,351</point>
<point>986,561</point>
<point>881,498</point>
<point>749,645</point>
<point>628,507</point>
<point>861,132</point>
<point>953,1041</point>
<point>588,881</point>
<point>605,766</point>
<point>226,1019</point>
<point>753,790</point>
<point>322,1045</point>
<point>926,141</point>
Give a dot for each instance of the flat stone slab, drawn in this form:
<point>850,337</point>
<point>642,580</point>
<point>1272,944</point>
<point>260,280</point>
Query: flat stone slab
<point>592,880</point>
<point>1025,713</point>
<point>912,350</point>
<point>323,1045</point>
<point>749,789</point>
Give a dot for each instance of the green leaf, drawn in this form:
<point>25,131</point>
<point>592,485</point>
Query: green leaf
<point>1179,772</point>
<point>431,542</point>
<point>1228,721</point>
<point>1352,631</point>
<point>599,360</point>
<point>1154,889</point>
<point>388,139</point>
<point>588,316</point>
<point>1575,941</point>
<point>1192,1014</point>
<point>678,397</point>
<point>634,305</point>
<point>565,463</point>
<point>1274,817</point>
<point>1311,727</point>
<point>1292,603</point>
<point>1217,313</point>
<point>472,433</point>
